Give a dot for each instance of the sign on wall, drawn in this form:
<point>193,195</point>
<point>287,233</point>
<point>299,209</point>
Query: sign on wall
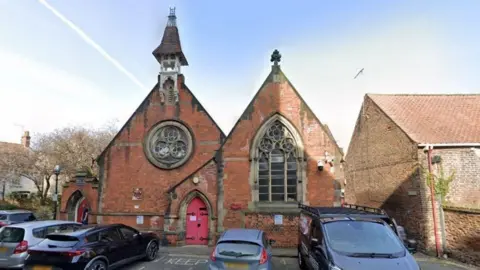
<point>278,219</point>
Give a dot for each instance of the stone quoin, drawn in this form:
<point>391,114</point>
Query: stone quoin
<point>195,181</point>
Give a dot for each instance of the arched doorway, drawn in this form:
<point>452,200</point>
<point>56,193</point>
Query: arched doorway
<point>76,206</point>
<point>196,231</point>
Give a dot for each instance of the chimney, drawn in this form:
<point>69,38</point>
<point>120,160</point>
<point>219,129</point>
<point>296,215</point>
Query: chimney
<point>26,139</point>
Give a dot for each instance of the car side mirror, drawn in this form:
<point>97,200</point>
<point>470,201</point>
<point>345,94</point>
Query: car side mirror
<point>271,242</point>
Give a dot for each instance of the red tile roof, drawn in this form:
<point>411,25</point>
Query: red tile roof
<point>434,118</point>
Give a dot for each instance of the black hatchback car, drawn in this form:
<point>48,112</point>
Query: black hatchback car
<point>96,247</point>
<point>337,238</point>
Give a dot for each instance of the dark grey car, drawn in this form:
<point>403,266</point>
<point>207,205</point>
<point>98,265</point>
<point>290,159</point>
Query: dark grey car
<point>16,239</point>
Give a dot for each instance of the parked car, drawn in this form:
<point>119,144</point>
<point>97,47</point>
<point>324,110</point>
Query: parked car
<point>93,247</point>
<point>16,239</point>
<point>338,238</point>
<point>242,249</point>
<point>8,217</point>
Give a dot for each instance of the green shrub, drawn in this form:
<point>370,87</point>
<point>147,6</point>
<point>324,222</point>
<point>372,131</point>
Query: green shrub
<point>44,213</point>
<point>8,206</point>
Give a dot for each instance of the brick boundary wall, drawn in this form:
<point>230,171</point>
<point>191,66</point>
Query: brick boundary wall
<point>462,233</point>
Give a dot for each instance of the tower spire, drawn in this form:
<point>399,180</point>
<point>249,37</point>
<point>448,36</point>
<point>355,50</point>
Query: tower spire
<point>171,58</point>
<point>172,18</point>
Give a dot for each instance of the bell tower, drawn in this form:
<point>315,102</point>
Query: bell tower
<point>171,58</point>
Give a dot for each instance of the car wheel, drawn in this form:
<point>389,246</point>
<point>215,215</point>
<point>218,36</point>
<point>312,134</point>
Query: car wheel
<point>97,265</point>
<point>301,263</point>
<point>152,251</point>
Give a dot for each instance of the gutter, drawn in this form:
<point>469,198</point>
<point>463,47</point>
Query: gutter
<point>422,145</point>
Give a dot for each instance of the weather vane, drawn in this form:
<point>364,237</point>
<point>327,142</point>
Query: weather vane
<point>276,57</point>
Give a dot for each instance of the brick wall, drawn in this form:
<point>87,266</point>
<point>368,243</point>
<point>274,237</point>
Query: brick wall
<point>276,98</point>
<point>382,169</point>
<point>464,190</point>
<point>462,234</point>
<point>124,165</point>
<point>281,233</point>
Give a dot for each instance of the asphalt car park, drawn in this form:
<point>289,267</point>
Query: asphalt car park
<point>195,262</point>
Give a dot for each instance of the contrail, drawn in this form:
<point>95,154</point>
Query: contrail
<point>92,43</point>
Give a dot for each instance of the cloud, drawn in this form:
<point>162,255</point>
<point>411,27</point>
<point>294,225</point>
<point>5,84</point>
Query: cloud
<point>41,98</point>
<point>92,43</point>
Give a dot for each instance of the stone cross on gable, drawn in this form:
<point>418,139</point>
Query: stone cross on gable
<point>276,57</point>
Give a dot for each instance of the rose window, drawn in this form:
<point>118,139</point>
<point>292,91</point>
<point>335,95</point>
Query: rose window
<point>169,145</point>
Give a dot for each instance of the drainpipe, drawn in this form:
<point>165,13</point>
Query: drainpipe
<point>432,197</point>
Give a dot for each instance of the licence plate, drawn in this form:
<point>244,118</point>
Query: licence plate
<point>236,265</point>
<point>3,249</point>
<point>41,267</point>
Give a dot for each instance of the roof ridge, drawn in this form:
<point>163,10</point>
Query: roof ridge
<point>422,94</point>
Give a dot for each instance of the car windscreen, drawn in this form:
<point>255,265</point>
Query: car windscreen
<point>11,235</point>
<point>238,248</point>
<point>363,238</point>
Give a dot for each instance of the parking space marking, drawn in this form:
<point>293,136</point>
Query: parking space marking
<point>187,255</point>
<point>186,261</point>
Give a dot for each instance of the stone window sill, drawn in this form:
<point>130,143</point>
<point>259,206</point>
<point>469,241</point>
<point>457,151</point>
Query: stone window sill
<point>275,207</point>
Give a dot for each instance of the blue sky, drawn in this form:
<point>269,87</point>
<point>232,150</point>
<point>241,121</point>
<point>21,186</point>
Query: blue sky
<point>51,77</point>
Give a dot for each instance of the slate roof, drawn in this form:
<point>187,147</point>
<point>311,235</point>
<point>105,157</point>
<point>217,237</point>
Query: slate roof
<point>171,45</point>
<point>434,118</point>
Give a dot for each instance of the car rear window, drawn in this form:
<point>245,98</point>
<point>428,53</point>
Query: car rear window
<point>11,235</point>
<point>3,217</point>
<point>59,241</point>
<point>238,248</point>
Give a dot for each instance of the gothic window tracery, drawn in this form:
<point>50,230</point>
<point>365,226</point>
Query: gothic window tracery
<point>169,145</point>
<point>277,164</point>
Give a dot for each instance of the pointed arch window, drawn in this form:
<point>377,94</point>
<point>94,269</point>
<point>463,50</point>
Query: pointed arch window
<point>277,165</point>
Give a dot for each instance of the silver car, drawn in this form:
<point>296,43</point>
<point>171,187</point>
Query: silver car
<point>242,249</point>
<point>8,217</point>
<point>16,239</point>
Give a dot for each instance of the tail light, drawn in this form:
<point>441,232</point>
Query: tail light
<point>2,224</point>
<point>21,247</point>
<point>212,256</point>
<point>264,256</point>
<point>74,253</point>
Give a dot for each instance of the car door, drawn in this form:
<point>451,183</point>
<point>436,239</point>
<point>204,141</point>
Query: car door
<point>317,259</point>
<point>319,249</point>
<point>133,241</point>
<point>115,245</point>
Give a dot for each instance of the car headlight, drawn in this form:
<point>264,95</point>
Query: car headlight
<point>333,267</point>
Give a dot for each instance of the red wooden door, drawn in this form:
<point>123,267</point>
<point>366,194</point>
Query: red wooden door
<point>196,223</point>
<point>80,208</point>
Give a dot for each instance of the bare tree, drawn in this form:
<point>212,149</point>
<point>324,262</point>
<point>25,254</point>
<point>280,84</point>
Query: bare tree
<point>70,147</point>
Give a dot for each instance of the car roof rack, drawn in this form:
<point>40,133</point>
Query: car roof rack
<point>365,208</point>
<point>332,212</point>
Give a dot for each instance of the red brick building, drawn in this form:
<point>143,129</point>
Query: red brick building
<point>387,166</point>
<point>173,170</point>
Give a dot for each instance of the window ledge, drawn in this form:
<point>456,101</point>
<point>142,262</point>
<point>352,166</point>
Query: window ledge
<point>276,207</point>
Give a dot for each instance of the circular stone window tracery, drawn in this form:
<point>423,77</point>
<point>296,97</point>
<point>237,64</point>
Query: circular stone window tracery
<point>168,145</point>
